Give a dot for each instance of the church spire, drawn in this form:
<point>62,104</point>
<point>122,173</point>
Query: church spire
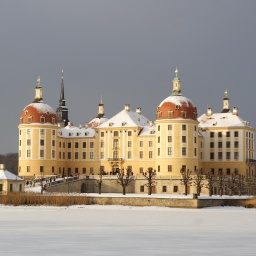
<point>225,102</point>
<point>176,84</point>
<point>62,110</point>
<point>101,111</point>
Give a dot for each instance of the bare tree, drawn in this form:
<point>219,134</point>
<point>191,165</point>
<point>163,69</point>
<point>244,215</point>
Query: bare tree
<point>231,184</point>
<point>210,182</point>
<point>221,182</point>
<point>186,179</point>
<point>125,179</point>
<point>198,181</point>
<point>150,176</point>
<point>240,183</point>
<point>99,181</point>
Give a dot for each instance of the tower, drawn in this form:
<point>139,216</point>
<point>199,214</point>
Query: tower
<point>62,110</point>
<point>225,103</point>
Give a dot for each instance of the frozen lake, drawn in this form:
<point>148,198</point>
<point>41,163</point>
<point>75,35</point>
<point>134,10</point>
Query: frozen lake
<point>119,230</point>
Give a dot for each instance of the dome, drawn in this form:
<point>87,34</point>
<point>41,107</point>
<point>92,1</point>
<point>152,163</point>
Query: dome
<point>176,107</point>
<point>38,113</point>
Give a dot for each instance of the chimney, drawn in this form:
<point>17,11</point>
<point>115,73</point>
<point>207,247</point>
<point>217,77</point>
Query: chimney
<point>138,110</point>
<point>2,167</point>
<point>209,111</point>
<point>127,107</point>
<point>235,111</point>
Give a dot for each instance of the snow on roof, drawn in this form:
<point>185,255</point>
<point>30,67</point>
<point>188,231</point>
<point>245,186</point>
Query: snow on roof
<point>126,118</point>
<point>98,121</point>
<point>222,120</point>
<point>177,100</point>
<point>73,131</point>
<point>148,131</point>
<point>41,107</point>
<point>6,175</point>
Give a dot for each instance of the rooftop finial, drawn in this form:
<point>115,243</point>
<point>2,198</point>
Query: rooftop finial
<point>101,99</point>
<point>226,93</point>
<point>38,81</point>
<point>62,76</point>
<point>176,72</point>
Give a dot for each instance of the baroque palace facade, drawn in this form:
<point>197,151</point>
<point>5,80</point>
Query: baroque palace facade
<point>49,143</point>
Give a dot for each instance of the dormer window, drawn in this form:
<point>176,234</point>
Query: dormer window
<point>25,112</point>
<point>30,119</point>
<point>42,119</point>
<point>47,113</point>
<point>177,106</point>
<point>170,114</point>
<point>53,120</point>
<point>183,114</point>
<point>21,120</point>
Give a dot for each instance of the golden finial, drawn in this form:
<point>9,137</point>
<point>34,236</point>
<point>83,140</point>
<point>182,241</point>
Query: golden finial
<point>38,81</point>
<point>226,93</point>
<point>176,72</point>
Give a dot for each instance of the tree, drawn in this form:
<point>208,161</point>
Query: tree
<point>231,184</point>
<point>186,179</point>
<point>99,181</point>
<point>240,183</point>
<point>210,182</point>
<point>198,181</point>
<point>150,177</point>
<point>125,179</point>
<point>10,160</point>
<point>221,182</point>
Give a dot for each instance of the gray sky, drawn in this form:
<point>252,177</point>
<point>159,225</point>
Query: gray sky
<point>127,51</point>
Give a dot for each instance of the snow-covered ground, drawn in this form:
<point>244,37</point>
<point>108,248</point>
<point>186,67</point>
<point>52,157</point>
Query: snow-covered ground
<point>120,230</point>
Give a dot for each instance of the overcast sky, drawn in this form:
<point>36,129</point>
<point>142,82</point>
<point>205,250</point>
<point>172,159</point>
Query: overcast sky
<point>127,52</point>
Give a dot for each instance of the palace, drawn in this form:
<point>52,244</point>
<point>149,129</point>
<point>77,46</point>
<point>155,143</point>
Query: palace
<point>178,139</point>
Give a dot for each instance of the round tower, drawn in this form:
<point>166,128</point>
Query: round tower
<point>177,133</point>
<point>37,138</point>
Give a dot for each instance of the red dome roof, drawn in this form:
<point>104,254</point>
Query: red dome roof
<point>174,107</point>
<point>38,112</point>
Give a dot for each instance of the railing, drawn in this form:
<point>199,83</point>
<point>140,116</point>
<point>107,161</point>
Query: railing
<point>115,159</point>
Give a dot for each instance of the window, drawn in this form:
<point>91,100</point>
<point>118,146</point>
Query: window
<point>158,151</point>
<point>150,143</point>
<point>53,132</point>
<point>101,155</point>
<point>220,155</point>
<point>141,143</point>
<point>169,139</point>
<point>169,127</point>
<point>227,134</point>
<point>41,153</point>
<point>91,170</point>
<point>170,114</point>
<point>219,144</point>
<point>211,144</point>
<point>28,142</point>
<point>175,189</point>
<point>228,144</point>
<point>102,134</point>
<point>236,171</point>
<point>76,155</point>
<point>236,134</point>
<point>212,156</point>
<point>169,151</point>
<point>129,133</point>
<point>195,128</point>
<point>115,143</point>
<point>53,153</point>
<point>115,133</point>
<point>91,155</point>
<point>141,188</point>
<point>194,139</point>
<point>102,144</point>
<point>69,155</point>
<point>212,171</point>
<point>227,155</point>
<point>158,139</point>
<point>184,151</point>
<point>141,169</point>
<point>169,168</point>
<point>42,119</point>
<point>115,154</point>
<point>84,155</point>
<point>10,187</point>
<point>220,171</point>
<point>42,131</point>
<point>150,154</point>
<point>228,171</point>
<point>76,144</point>
<point>1,187</point>
<point>28,168</point>
<point>84,170</point>
<point>41,169</point>
<point>236,155</point>
<point>28,153</point>
<point>184,127</point>
<point>52,169</point>
<point>164,188</point>
<point>76,170</point>
<point>91,145</point>
<point>177,106</point>
<point>129,144</point>
<point>183,139</point>
<point>30,119</point>
<point>158,168</point>
<point>211,134</point>
<point>158,127</point>
<point>195,152</point>
<point>59,155</point>
<point>69,144</point>
<point>129,154</point>
<point>183,114</point>
<point>63,155</point>
<point>41,142</point>
<point>141,154</point>
<point>236,144</point>
<point>53,143</point>
<point>219,134</point>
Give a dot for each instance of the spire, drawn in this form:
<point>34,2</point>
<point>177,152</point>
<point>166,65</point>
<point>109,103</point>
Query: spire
<point>176,84</point>
<point>101,109</point>
<point>62,110</point>
<point>225,102</point>
<point>38,91</point>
